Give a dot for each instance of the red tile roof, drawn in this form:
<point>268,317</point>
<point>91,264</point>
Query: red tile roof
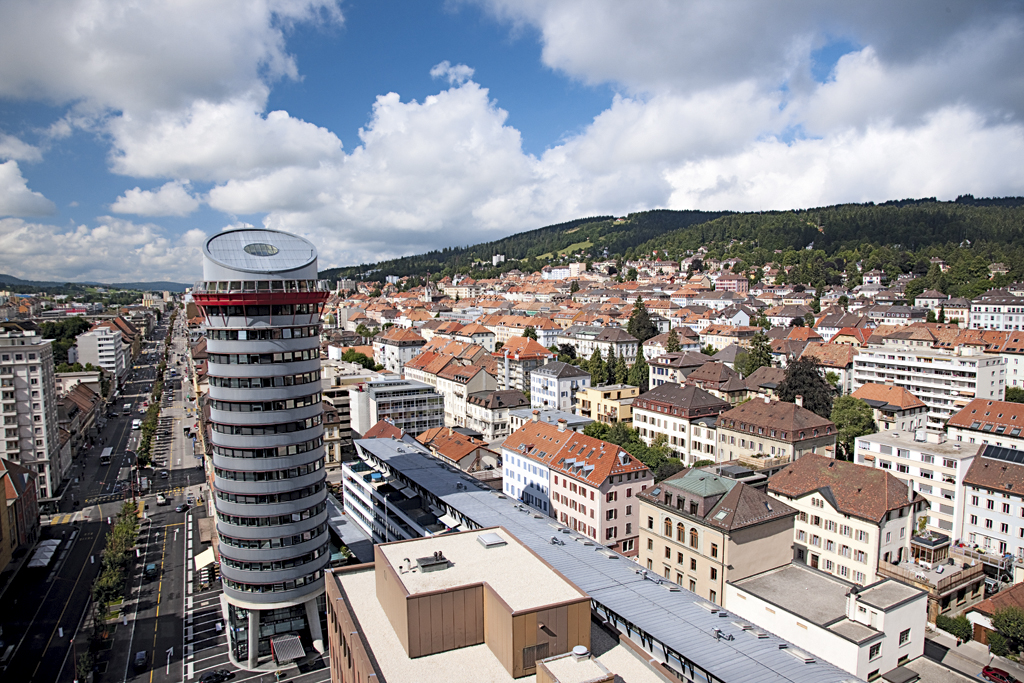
<point>853,489</point>
<point>543,442</point>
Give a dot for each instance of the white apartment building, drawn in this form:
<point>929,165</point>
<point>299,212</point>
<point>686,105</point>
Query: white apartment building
<point>934,468</point>
<point>997,309</point>
<point>850,517</point>
<point>607,340</point>
<point>412,406</point>
<point>381,505</point>
<point>686,417</point>
<point>525,478</point>
<point>104,348</point>
<point>944,380</point>
<point>993,502</point>
<point>553,386</point>
<point>28,405</point>
<point>866,632</point>
<point>999,423</point>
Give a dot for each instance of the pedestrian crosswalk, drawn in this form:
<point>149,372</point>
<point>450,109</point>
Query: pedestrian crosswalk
<point>65,518</point>
<point>174,491</point>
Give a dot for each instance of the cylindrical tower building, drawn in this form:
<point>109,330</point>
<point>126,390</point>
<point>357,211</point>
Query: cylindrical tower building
<point>262,304</point>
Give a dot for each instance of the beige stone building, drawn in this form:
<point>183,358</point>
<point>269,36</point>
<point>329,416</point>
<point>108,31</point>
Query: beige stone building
<point>700,530</point>
<point>764,432</point>
<point>850,516</point>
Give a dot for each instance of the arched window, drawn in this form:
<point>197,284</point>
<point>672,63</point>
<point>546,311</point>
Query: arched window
<point>680,533</point>
<point>693,538</point>
<point>668,528</point>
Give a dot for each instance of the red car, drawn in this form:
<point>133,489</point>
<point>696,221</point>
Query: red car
<point>990,673</point>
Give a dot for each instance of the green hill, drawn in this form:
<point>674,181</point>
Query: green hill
<point>897,236</point>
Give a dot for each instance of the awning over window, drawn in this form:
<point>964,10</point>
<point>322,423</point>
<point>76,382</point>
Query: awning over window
<point>287,648</point>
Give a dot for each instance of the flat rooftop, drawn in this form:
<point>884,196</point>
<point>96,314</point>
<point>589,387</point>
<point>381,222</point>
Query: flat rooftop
<point>903,439</point>
<point>518,576</point>
<point>473,664</point>
<point>812,595</point>
<point>671,616</point>
<point>821,598</point>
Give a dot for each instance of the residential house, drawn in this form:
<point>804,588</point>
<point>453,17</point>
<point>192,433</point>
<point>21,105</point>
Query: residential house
<point>609,404</point>
<point>456,383</point>
<point>927,463</point>
<point>517,417</point>
<point>395,347</point>
<point>766,433</point>
<point>720,336</point>
<point>674,367</point>
<point>488,411</point>
<point>590,487</point>
<point>701,530</point>
<point>993,516</point>
<point>520,356</point>
<point>608,340</point>
<point>684,415</point>
<point>850,517</point>
<point>834,358</point>
<point>461,451</point>
<point>658,345</point>
<point>719,380</point>
<point>996,309</point>
<point>554,386</point>
<point>867,631</point>
<point>894,408</point>
<point>940,364</point>
<point>22,504</point>
<point>998,423</point>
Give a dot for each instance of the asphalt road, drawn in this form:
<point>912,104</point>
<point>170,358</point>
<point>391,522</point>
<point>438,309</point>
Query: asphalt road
<point>42,608</point>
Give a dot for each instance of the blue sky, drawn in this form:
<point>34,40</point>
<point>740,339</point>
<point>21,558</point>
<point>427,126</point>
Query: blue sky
<point>130,133</point>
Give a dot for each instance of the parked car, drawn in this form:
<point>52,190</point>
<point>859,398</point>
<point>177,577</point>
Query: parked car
<point>990,673</point>
<point>141,659</point>
<point>181,508</point>
<point>151,571</point>
<point>217,676</point>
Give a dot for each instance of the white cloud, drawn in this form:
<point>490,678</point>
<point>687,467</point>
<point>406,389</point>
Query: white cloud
<point>141,56</point>
<point>170,199</point>
<point>218,141</point>
<point>115,250</point>
<point>456,75</point>
<point>13,148</point>
<point>950,154</point>
<point>15,197</point>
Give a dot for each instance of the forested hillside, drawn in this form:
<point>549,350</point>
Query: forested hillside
<point>898,237</point>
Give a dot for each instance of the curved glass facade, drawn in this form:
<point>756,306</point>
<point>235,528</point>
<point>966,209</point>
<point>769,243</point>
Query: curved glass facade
<point>262,306</point>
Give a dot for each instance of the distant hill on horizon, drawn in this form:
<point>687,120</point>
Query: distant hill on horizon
<point>158,286</point>
<point>906,224</point>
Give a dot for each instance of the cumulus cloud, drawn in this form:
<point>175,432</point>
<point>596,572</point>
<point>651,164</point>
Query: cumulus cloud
<point>170,199</point>
<point>456,75</point>
<point>144,252</point>
<point>15,197</point>
<point>13,148</point>
<point>131,56</point>
<point>716,106</point>
<point>218,141</point>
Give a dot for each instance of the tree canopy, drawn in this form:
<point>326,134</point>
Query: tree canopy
<point>803,378</point>
<point>852,417</point>
<point>640,324</point>
<point>672,343</point>
<point>759,355</point>
<point>639,374</point>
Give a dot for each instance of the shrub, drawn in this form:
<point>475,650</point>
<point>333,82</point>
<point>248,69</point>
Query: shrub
<point>958,627</point>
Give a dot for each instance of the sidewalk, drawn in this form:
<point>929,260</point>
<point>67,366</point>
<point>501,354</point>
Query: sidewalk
<point>968,658</point>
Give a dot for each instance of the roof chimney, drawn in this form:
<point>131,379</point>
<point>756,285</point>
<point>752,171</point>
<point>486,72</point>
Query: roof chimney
<point>799,400</point>
<point>536,415</point>
<point>561,424</point>
<point>767,399</point>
